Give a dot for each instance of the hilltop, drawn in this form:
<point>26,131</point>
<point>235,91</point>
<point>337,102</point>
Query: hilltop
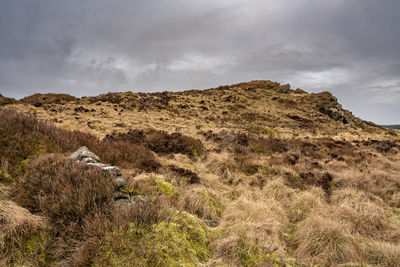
<point>258,107</point>
<point>251,174</point>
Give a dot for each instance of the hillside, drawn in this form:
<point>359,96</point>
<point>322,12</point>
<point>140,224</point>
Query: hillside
<point>392,126</point>
<point>252,174</point>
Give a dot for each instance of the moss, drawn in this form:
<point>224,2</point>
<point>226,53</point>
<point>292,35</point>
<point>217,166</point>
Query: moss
<point>182,241</point>
<point>165,188</point>
<point>98,126</point>
<point>250,254</point>
<point>32,252</point>
<point>5,177</point>
<point>270,132</point>
<point>131,191</point>
<point>213,202</point>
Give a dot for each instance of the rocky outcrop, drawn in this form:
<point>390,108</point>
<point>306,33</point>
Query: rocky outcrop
<point>83,154</point>
<point>337,113</point>
<point>285,89</point>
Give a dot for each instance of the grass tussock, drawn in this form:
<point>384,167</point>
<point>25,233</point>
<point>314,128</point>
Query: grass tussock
<point>382,253</point>
<point>17,225</point>
<point>364,216</point>
<point>253,233</point>
<point>305,203</point>
<point>321,240</point>
<point>203,203</point>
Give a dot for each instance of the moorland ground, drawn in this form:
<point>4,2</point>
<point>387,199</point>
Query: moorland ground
<point>252,174</point>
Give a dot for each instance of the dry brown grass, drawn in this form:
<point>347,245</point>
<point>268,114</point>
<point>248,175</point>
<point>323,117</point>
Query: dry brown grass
<point>321,240</point>
<point>254,231</point>
<point>286,183</point>
<point>16,226</point>
<point>202,202</point>
<point>306,203</point>
<point>382,253</point>
<point>363,216</point>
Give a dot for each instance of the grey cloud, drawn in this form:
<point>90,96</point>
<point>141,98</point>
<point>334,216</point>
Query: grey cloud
<point>89,47</point>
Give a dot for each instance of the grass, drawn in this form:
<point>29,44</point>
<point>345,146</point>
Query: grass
<point>238,175</point>
<point>203,203</point>
<point>320,240</point>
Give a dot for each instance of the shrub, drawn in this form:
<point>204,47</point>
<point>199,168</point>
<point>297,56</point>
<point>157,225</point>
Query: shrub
<point>6,100</point>
<point>189,176</point>
<point>161,142</point>
<point>24,137</point>
<point>128,155</point>
<point>247,164</point>
<point>40,99</point>
<point>63,190</point>
<point>269,145</point>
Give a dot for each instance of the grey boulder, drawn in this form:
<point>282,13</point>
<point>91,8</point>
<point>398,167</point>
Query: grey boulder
<point>84,153</point>
<point>115,171</point>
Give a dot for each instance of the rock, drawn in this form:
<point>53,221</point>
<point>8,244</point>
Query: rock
<point>300,91</point>
<point>337,113</point>
<point>334,113</point>
<point>83,153</point>
<point>88,160</point>
<point>211,223</point>
<point>120,181</point>
<point>284,89</point>
<point>115,171</point>
<point>98,164</point>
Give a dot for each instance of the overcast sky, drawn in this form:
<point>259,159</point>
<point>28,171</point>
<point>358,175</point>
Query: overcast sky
<point>88,47</point>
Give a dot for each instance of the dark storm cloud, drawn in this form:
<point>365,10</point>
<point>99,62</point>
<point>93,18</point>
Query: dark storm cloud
<point>350,47</point>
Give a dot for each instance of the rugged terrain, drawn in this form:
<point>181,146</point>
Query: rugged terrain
<point>252,174</point>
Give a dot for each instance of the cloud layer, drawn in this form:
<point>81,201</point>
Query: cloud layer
<point>350,47</point>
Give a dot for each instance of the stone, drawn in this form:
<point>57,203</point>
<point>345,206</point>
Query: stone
<point>115,171</point>
<point>89,160</point>
<point>83,153</point>
<point>211,223</point>
<point>98,164</point>
<point>284,89</point>
<point>300,91</point>
<point>120,181</point>
<point>337,113</point>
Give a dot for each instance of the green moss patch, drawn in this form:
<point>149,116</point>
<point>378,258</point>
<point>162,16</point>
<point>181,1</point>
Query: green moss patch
<point>180,241</point>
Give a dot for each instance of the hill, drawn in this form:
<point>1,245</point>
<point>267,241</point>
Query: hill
<point>391,126</point>
<point>251,174</point>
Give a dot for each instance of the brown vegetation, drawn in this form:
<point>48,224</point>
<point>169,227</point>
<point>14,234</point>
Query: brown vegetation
<point>160,141</point>
<point>252,174</point>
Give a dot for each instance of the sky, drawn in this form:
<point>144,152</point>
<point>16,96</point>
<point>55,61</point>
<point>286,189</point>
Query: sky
<point>89,47</point>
